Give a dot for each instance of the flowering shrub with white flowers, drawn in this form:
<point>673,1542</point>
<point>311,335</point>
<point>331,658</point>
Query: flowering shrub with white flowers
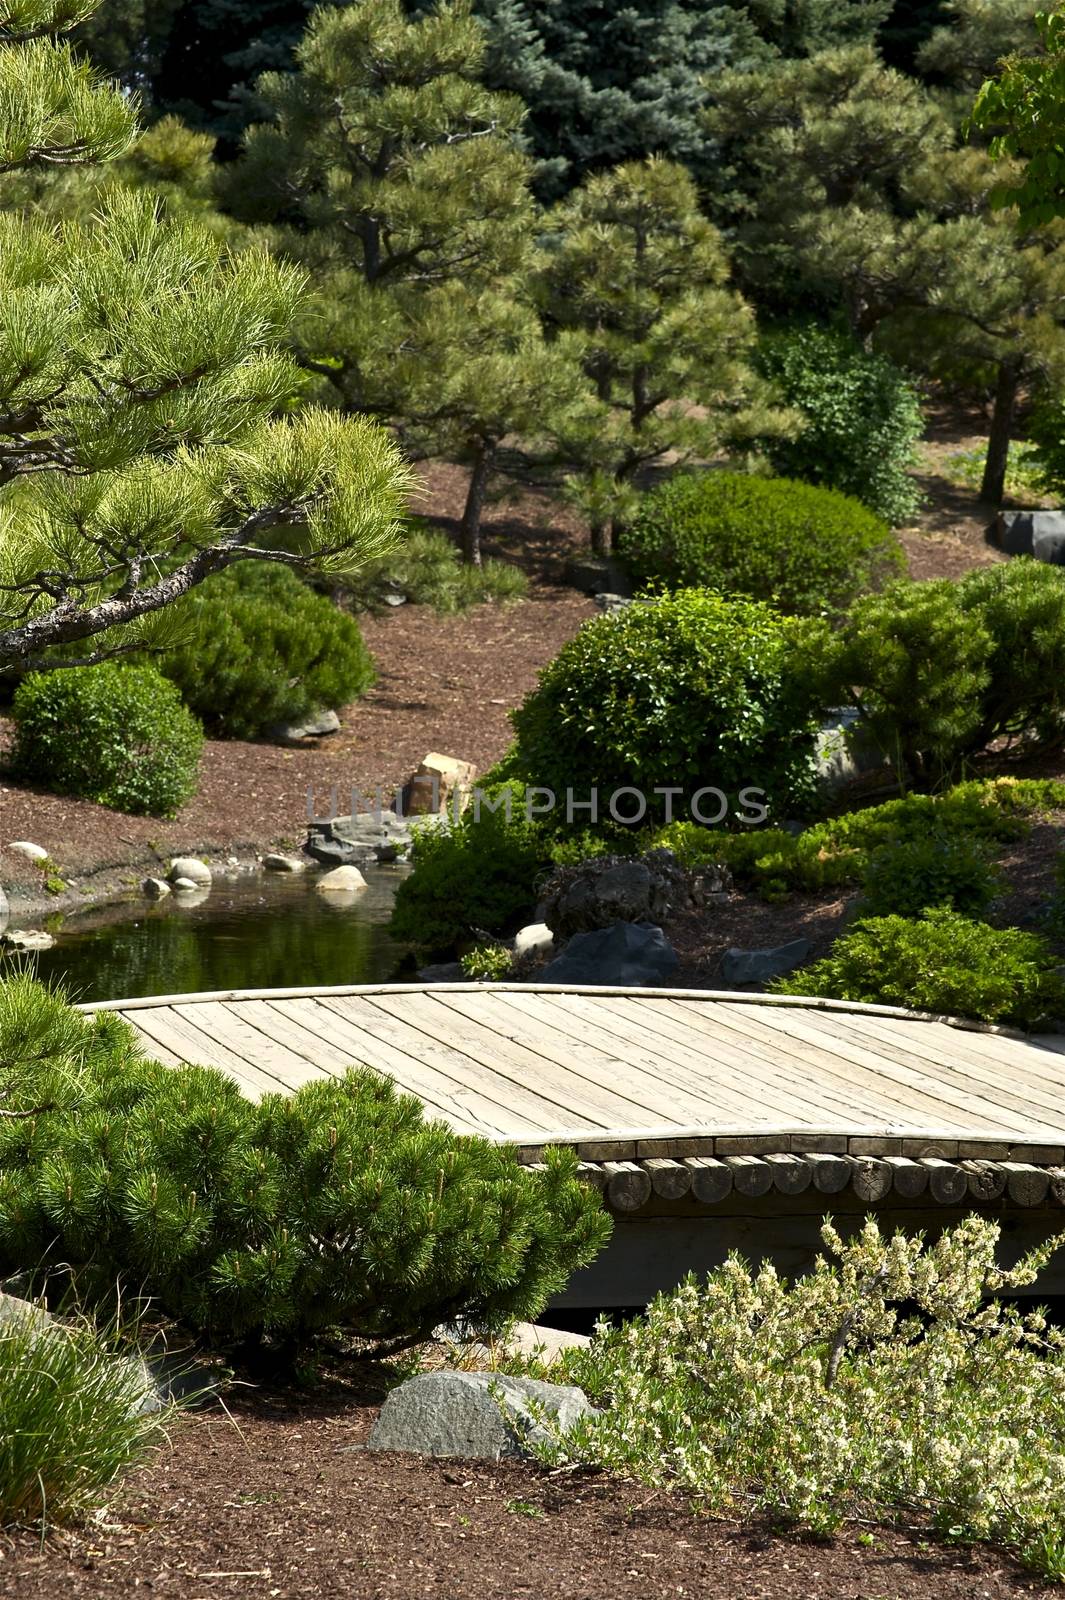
<point>890,1379</point>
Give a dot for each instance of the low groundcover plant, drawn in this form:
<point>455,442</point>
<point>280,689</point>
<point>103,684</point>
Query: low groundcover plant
<point>890,1380</point>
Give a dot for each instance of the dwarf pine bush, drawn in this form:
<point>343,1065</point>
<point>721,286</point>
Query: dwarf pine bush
<point>889,1380</point>
<point>337,1206</point>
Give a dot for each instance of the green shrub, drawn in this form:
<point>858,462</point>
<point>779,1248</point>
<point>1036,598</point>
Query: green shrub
<point>69,1422</point>
<point>862,418</point>
<point>1025,479</point>
<point>940,962</point>
<point>337,1206</point>
<point>937,869</point>
<point>889,1378</point>
<point>487,962</point>
<point>476,875</point>
<point>941,670</point>
<point>691,691</point>
<point>260,647</point>
<point>838,850</point>
<point>118,735</point>
<point>806,550</point>
<point>1044,461</point>
<point>427,568</point>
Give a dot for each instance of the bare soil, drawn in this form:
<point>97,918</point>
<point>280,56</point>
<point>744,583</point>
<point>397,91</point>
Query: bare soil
<point>279,1502</point>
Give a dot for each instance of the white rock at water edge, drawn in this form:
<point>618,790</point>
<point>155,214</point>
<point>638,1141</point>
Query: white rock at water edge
<point>27,939</point>
<point>535,938</point>
<point>186,886</point>
<point>190,868</point>
<point>342,880</point>
<point>279,863</point>
<point>32,852</point>
<point>155,888</point>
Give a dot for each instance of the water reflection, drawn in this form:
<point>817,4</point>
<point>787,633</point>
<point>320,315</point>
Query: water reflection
<point>254,931</point>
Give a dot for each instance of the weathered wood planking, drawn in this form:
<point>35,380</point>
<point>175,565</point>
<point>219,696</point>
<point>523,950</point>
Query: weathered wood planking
<point>653,1075</point>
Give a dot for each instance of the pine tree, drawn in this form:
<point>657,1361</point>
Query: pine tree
<point>139,373</point>
<point>639,280</point>
<point>395,174</point>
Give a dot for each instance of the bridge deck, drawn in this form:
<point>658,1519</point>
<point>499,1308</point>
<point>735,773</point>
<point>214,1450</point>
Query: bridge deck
<point>641,1073</point>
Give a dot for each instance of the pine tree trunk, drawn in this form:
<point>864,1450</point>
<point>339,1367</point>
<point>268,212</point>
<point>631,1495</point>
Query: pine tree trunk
<point>475,498</point>
<point>602,541</point>
<point>993,486</point>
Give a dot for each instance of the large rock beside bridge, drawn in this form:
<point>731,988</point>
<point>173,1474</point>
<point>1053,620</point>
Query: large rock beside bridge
<point>1033,533</point>
<point>482,1416</point>
<point>630,955</point>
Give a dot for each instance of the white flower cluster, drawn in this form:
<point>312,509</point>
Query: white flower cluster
<point>891,1378</point>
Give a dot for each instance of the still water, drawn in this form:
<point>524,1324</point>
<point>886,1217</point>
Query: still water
<point>253,931</point>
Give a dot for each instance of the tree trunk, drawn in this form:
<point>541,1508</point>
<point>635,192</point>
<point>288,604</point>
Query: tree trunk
<point>602,541</point>
<point>475,498</point>
<point>1007,383</point>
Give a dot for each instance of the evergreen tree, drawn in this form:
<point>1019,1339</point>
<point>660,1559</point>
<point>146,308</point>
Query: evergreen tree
<point>139,374</point>
<point>395,174</point>
<point>639,280</point>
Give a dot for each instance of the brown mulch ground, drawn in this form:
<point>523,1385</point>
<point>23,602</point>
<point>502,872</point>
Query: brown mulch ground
<point>280,1503</point>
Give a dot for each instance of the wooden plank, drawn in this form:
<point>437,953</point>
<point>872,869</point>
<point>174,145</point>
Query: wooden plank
<point>154,1047</point>
<point>831,1174</point>
<point>563,1097</point>
<point>637,1092</point>
<point>711,1179</point>
<point>670,1180</point>
<point>816,1069</point>
<point>872,1178</point>
<point>985,1076</point>
<point>791,1175</point>
<point>233,1030</point>
<point>908,1177</point>
<point>292,1036</point>
<point>948,1184</point>
<point>739,1078</point>
<point>884,1076</point>
<point>1025,1184</point>
<point>751,1176</point>
<point>444,1096</point>
<point>175,1034</point>
<point>628,1186</point>
<point>987,1181</point>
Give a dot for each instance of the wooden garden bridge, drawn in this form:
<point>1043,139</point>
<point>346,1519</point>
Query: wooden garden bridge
<point>710,1120</point>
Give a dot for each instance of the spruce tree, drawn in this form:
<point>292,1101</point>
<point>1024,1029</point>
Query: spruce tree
<point>639,280</point>
<point>395,174</point>
<point>140,374</point>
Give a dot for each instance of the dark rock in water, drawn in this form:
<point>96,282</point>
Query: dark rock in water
<point>457,1414</point>
<point>442,972</point>
<point>628,955</point>
<point>1033,533</point>
<point>758,966</point>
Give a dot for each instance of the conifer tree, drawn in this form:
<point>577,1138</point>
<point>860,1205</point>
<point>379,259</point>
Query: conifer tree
<point>395,173</point>
<point>140,372</point>
<point>639,280</point>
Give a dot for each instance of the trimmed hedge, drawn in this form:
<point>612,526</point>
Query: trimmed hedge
<point>259,647</point>
<point>118,735</point>
<point>807,550</point>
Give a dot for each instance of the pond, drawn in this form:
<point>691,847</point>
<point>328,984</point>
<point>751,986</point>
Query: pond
<point>252,931</point>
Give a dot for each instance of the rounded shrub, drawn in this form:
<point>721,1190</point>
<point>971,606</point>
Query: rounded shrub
<point>259,647</point>
<point>861,413</point>
<point>935,869</point>
<point>690,691</point>
<point>118,735</point>
<point>941,962</point>
<point>807,550</point>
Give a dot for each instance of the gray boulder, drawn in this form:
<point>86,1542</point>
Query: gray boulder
<point>457,1414</point>
<point>758,966</point>
<point>155,888</point>
<point>1033,533</point>
<point>355,840</point>
<point>316,725</point>
<point>5,910</point>
<point>597,575</point>
<point>628,955</point>
<point>275,862</point>
<point>442,972</point>
<point>845,750</point>
<point>192,869</point>
<point>608,889</point>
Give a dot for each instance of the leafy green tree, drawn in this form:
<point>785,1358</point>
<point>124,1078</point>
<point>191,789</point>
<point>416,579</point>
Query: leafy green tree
<point>1023,107</point>
<point>139,373</point>
<point>640,281</point>
<point>395,174</point>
